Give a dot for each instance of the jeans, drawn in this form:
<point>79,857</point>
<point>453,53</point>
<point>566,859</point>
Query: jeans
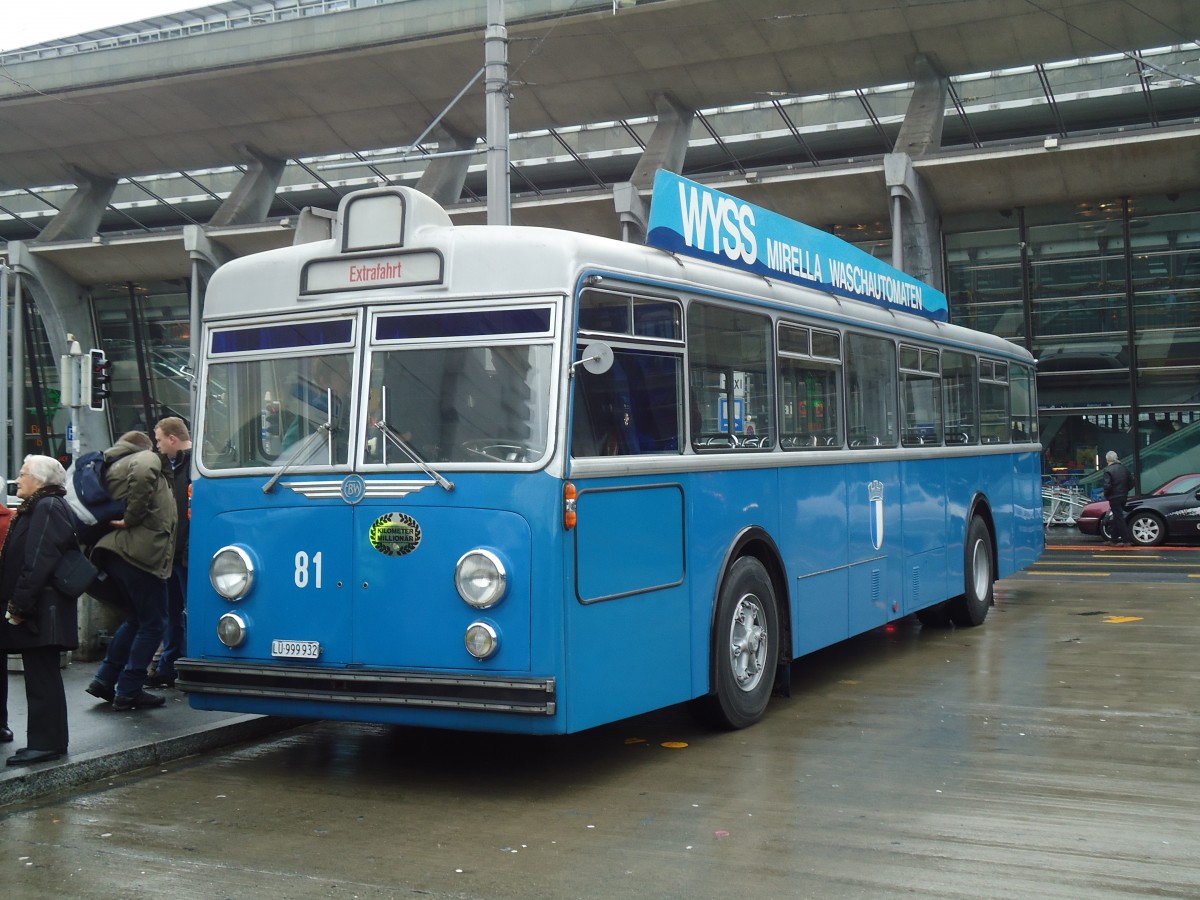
<point>174,632</point>
<point>133,645</point>
<point>1120,527</point>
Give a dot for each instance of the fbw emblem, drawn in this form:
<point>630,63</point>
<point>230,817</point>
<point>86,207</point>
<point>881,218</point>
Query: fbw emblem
<point>875,496</point>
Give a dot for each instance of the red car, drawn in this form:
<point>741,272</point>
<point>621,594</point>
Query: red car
<point>1095,518</point>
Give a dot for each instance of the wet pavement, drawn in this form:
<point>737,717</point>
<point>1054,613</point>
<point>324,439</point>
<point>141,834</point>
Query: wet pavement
<point>1053,753</point>
<point>105,742</point>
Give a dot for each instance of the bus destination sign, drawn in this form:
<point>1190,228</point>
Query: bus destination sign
<point>357,273</point>
<point>691,219</point>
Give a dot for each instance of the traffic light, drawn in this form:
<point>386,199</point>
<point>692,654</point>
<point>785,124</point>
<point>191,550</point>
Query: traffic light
<point>97,377</point>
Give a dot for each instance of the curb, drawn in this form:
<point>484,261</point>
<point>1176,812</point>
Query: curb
<point>98,764</point>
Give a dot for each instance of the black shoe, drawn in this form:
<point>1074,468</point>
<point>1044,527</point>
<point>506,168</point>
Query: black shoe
<point>27,757</point>
<point>140,700</point>
<point>101,691</point>
<point>6,734</point>
<point>154,681</point>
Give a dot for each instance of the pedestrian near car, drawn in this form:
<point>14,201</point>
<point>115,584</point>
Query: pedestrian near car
<point>175,443</point>
<point>39,622</point>
<point>137,553</point>
<point>1116,484</point>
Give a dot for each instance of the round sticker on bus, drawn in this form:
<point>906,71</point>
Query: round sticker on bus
<point>395,534</point>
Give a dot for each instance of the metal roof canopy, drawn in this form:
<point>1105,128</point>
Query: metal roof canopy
<point>374,77</point>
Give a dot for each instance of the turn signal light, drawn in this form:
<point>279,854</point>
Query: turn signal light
<point>570,500</point>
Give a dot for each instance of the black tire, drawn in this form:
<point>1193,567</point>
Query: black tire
<point>1149,529</point>
<point>979,574</point>
<point>745,645</point>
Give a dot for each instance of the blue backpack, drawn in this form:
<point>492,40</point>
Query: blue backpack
<point>90,501</point>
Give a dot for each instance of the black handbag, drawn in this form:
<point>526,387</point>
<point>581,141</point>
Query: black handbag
<point>75,574</point>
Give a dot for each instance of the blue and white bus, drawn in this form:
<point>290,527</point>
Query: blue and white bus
<point>525,480</point>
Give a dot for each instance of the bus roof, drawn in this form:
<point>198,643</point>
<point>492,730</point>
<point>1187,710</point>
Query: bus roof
<point>424,257</point>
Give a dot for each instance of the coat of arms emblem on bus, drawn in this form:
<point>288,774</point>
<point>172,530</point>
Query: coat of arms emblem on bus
<point>875,495</point>
<point>395,534</point>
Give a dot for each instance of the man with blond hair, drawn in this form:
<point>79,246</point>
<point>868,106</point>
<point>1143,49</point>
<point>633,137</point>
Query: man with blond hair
<point>175,443</point>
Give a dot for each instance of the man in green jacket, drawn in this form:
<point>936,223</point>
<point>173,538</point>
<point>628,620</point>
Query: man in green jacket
<point>137,553</point>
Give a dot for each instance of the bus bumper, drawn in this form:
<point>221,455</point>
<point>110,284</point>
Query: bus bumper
<point>375,687</point>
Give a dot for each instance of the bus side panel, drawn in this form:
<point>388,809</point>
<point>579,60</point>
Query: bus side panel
<point>1029,532</point>
<point>924,539</point>
<point>813,542</point>
<point>875,506</point>
<point>964,479</point>
<point>626,654</point>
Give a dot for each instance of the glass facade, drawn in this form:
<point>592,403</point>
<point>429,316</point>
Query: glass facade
<point>1106,295</point>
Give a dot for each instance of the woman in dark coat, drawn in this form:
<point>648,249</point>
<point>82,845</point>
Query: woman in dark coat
<point>39,622</point>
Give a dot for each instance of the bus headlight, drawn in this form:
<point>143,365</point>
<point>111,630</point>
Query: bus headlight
<point>480,578</point>
<point>231,572</point>
<point>482,640</point>
<point>231,629</point>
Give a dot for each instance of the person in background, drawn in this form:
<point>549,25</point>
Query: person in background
<point>1117,483</point>
<point>39,622</point>
<point>175,443</point>
<point>137,553</point>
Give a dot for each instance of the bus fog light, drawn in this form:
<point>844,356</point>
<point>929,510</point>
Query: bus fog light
<point>231,572</point>
<point>480,578</point>
<point>231,629</point>
<point>482,640</point>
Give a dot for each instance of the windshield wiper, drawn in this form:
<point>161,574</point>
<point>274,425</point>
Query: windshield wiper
<point>400,444</point>
<point>301,452</point>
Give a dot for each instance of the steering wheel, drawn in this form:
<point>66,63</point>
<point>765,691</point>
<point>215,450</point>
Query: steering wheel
<point>501,451</point>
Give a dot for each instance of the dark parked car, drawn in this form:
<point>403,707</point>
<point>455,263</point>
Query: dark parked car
<point>1095,517</point>
<point>1175,517</point>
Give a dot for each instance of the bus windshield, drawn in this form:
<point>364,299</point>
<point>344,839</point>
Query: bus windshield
<point>261,412</point>
<point>460,404</point>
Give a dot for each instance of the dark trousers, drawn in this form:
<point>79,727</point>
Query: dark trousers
<point>132,647</point>
<point>174,631</point>
<point>1120,527</point>
<point>45,698</point>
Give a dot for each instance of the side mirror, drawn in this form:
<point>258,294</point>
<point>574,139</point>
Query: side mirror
<point>597,358</point>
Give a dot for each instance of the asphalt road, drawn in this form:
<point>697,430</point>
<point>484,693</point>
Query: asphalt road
<point>1051,753</point>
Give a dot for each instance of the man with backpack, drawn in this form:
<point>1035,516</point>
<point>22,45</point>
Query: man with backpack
<point>137,553</point>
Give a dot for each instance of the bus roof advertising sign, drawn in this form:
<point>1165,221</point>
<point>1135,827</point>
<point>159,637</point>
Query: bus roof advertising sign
<point>691,219</point>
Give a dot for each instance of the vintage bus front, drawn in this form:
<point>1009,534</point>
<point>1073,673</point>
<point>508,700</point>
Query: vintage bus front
<point>373,495</point>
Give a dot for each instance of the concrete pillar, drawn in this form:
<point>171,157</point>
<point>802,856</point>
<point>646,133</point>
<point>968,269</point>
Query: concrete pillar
<point>916,220</point>
<point>80,218</point>
<point>445,176</point>
<point>666,149</point>
<point>64,306</point>
<point>250,201</point>
<point>921,131</point>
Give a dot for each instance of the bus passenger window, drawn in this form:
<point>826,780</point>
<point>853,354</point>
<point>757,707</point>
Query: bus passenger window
<point>993,402</point>
<point>730,378</point>
<point>870,391</point>
<point>810,378</point>
<point>959,381</point>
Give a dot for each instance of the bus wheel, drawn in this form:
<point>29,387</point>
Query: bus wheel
<point>979,573</point>
<point>745,648</point>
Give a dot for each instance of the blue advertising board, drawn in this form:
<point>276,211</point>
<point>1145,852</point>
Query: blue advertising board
<point>691,219</point>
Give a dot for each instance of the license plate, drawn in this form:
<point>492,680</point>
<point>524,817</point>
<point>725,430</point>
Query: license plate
<point>296,649</point>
